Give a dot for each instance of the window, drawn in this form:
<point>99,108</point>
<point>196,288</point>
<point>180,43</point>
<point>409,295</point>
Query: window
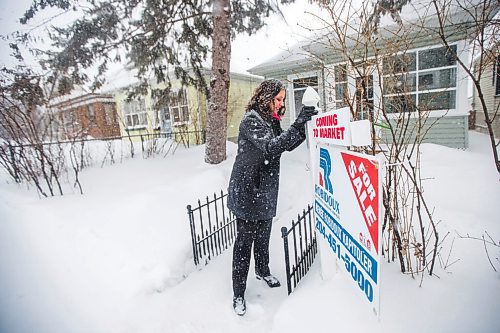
<point>394,104</point>
<point>299,87</point>
<point>91,114</point>
<point>445,78</point>
<point>109,114</point>
<point>161,112</point>
<point>437,57</point>
<point>135,114</point>
<point>436,100</point>
<point>341,91</point>
<point>179,107</point>
<point>400,83</point>
<point>400,63</point>
<point>364,97</point>
<point>426,79</point>
<point>364,88</point>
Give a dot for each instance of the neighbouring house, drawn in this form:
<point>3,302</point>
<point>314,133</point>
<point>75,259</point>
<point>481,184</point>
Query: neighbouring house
<point>402,76</point>
<point>84,114</point>
<point>183,110</point>
<point>490,86</point>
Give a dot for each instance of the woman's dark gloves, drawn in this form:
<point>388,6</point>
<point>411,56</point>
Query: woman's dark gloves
<point>304,116</point>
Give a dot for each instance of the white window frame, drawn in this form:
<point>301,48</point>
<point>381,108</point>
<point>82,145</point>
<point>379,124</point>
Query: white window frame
<point>91,111</point>
<point>364,106</point>
<point>109,113</point>
<point>417,72</point>
<point>339,100</point>
<point>291,110</point>
<point>180,107</point>
<point>136,114</point>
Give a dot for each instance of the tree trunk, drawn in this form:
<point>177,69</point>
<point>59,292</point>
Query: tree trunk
<point>215,151</point>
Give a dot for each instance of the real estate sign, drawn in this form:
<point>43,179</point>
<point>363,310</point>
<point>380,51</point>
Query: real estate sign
<point>347,206</point>
<point>332,127</point>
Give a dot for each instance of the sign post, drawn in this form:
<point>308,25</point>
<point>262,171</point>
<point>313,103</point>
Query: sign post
<point>347,203</point>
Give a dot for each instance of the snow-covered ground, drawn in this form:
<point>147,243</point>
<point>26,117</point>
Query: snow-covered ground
<point>118,258</point>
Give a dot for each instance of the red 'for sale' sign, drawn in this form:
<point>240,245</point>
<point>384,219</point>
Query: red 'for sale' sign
<point>363,175</point>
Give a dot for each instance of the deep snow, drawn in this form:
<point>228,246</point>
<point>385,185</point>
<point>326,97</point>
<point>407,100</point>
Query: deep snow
<point>118,258</point>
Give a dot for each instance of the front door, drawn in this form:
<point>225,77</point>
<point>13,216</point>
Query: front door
<point>166,123</point>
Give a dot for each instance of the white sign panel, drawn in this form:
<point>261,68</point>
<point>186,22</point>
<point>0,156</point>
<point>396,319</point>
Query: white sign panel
<point>348,206</point>
<point>332,127</point>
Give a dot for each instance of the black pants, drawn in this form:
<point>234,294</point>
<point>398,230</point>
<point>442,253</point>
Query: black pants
<point>257,233</point>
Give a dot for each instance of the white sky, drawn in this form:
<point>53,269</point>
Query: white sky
<point>278,35</point>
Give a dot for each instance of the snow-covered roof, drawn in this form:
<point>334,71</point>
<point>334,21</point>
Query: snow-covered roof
<point>286,61</point>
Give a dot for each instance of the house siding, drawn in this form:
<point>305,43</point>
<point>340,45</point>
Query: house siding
<point>450,131</point>
<point>97,126</point>
<point>100,128</point>
<point>492,103</point>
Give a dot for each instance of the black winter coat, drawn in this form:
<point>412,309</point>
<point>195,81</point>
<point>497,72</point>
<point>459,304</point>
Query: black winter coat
<point>254,182</point>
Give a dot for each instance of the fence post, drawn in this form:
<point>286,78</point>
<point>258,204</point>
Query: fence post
<point>193,234</point>
<point>284,235</point>
<point>142,144</point>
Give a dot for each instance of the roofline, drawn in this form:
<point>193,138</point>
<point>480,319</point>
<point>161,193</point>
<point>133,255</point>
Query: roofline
<point>83,99</point>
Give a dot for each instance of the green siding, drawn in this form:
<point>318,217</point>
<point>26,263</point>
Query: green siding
<point>492,103</point>
<point>450,131</point>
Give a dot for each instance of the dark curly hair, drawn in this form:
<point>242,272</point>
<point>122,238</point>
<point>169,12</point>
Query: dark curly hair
<point>263,95</point>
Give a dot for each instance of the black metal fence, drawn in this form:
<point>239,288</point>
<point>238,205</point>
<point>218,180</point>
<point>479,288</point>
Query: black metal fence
<point>187,137</point>
<point>302,246</point>
<point>213,228</point>
<point>50,165</point>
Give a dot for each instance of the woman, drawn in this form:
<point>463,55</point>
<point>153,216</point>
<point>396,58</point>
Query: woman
<point>253,187</point>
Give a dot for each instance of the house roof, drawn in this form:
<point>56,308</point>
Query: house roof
<point>126,77</point>
<point>328,48</point>
<point>79,96</point>
<point>288,61</point>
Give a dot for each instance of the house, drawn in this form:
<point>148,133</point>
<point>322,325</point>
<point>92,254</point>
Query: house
<point>84,114</point>
<point>490,84</point>
<point>487,67</point>
<point>400,77</point>
<point>183,110</point>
